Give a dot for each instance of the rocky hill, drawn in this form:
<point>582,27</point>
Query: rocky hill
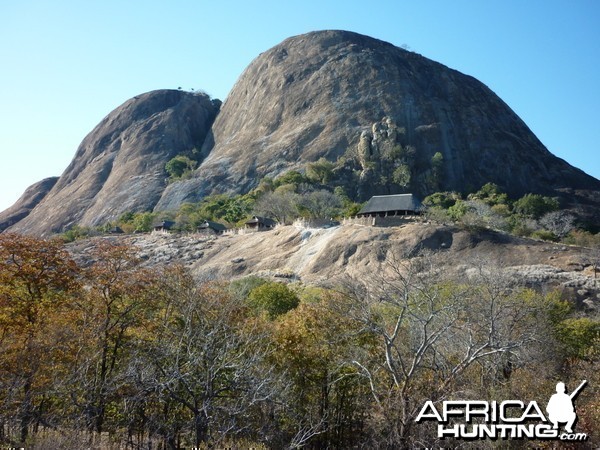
<point>32,196</point>
<point>315,95</point>
<point>390,120</point>
<point>120,165</point>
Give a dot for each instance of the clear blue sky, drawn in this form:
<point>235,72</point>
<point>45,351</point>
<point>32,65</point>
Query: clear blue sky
<point>67,64</point>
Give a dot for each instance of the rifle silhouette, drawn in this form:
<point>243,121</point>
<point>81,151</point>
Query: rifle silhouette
<point>576,391</point>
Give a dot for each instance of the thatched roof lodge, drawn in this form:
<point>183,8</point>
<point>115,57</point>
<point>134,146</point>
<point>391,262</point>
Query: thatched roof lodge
<point>165,225</point>
<point>258,223</point>
<point>391,206</point>
<point>211,227</point>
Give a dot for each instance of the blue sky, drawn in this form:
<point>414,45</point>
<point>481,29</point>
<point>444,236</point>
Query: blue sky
<point>66,64</point>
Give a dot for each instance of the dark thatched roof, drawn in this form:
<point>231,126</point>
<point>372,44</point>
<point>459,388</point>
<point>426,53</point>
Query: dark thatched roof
<point>207,224</point>
<point>261,220</point>
<point>165,225</point>
<point>391,203</point>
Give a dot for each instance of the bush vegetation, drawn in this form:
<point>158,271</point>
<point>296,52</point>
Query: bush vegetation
<point>272,298</point>
<point>288,197</point>
<point>532,215</point>
<point>110,353</point>
<point>180,167</point>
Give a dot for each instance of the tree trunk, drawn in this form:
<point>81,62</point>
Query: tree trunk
<point>26,411</point>
<point>200,428</point>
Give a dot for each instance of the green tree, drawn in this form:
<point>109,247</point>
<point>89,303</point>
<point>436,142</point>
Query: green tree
<point>180,165</point>
<point>76,232</point>
<point>143,221</point>
<point>401,175</point>
<point>458,210</point>
<point>437,161</point>
<point>273,298</point>
<point>320,171</point>
<point>350,208</point>
<point>290,177</point>
<point>237,208</point>
<point>535,205</point>
<point>437,168</point>
<point>220,207</point>
<point>127,217</point>
<point>490,194</point>
<point>580,337</point>
<point>327,400</point>
<point>442,200</point>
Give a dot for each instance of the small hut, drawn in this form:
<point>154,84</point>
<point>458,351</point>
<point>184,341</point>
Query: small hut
<point>164,226</point>
<point>115,230</point>
<point>391,206</point>
<point>208,227</point>
<point>258,223</point>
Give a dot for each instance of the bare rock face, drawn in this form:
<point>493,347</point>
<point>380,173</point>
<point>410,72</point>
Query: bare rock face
<point>120,165</point>
<point>315,95</point>
<point>33,195</point>
<point>390,120</point>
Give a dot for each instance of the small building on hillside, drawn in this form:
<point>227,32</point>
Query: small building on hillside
<point>391,206</point>
<point>164,226</point>
<point>214,228</point>
<point>258,223</point>
<point>115,230</point>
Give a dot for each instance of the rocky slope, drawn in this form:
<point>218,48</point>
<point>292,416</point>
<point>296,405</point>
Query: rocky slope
<point>120,165</point>
<point>328,256</point>
<point>391,120</point>
<point>32,196</point>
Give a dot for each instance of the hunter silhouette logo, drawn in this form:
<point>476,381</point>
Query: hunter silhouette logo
<point>509,419</point>
<point>560,407</point>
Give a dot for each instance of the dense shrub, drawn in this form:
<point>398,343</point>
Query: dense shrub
<point>535,205</point>
<point>273,298</point>
<point>580,337</point>
<point>179,166</point>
